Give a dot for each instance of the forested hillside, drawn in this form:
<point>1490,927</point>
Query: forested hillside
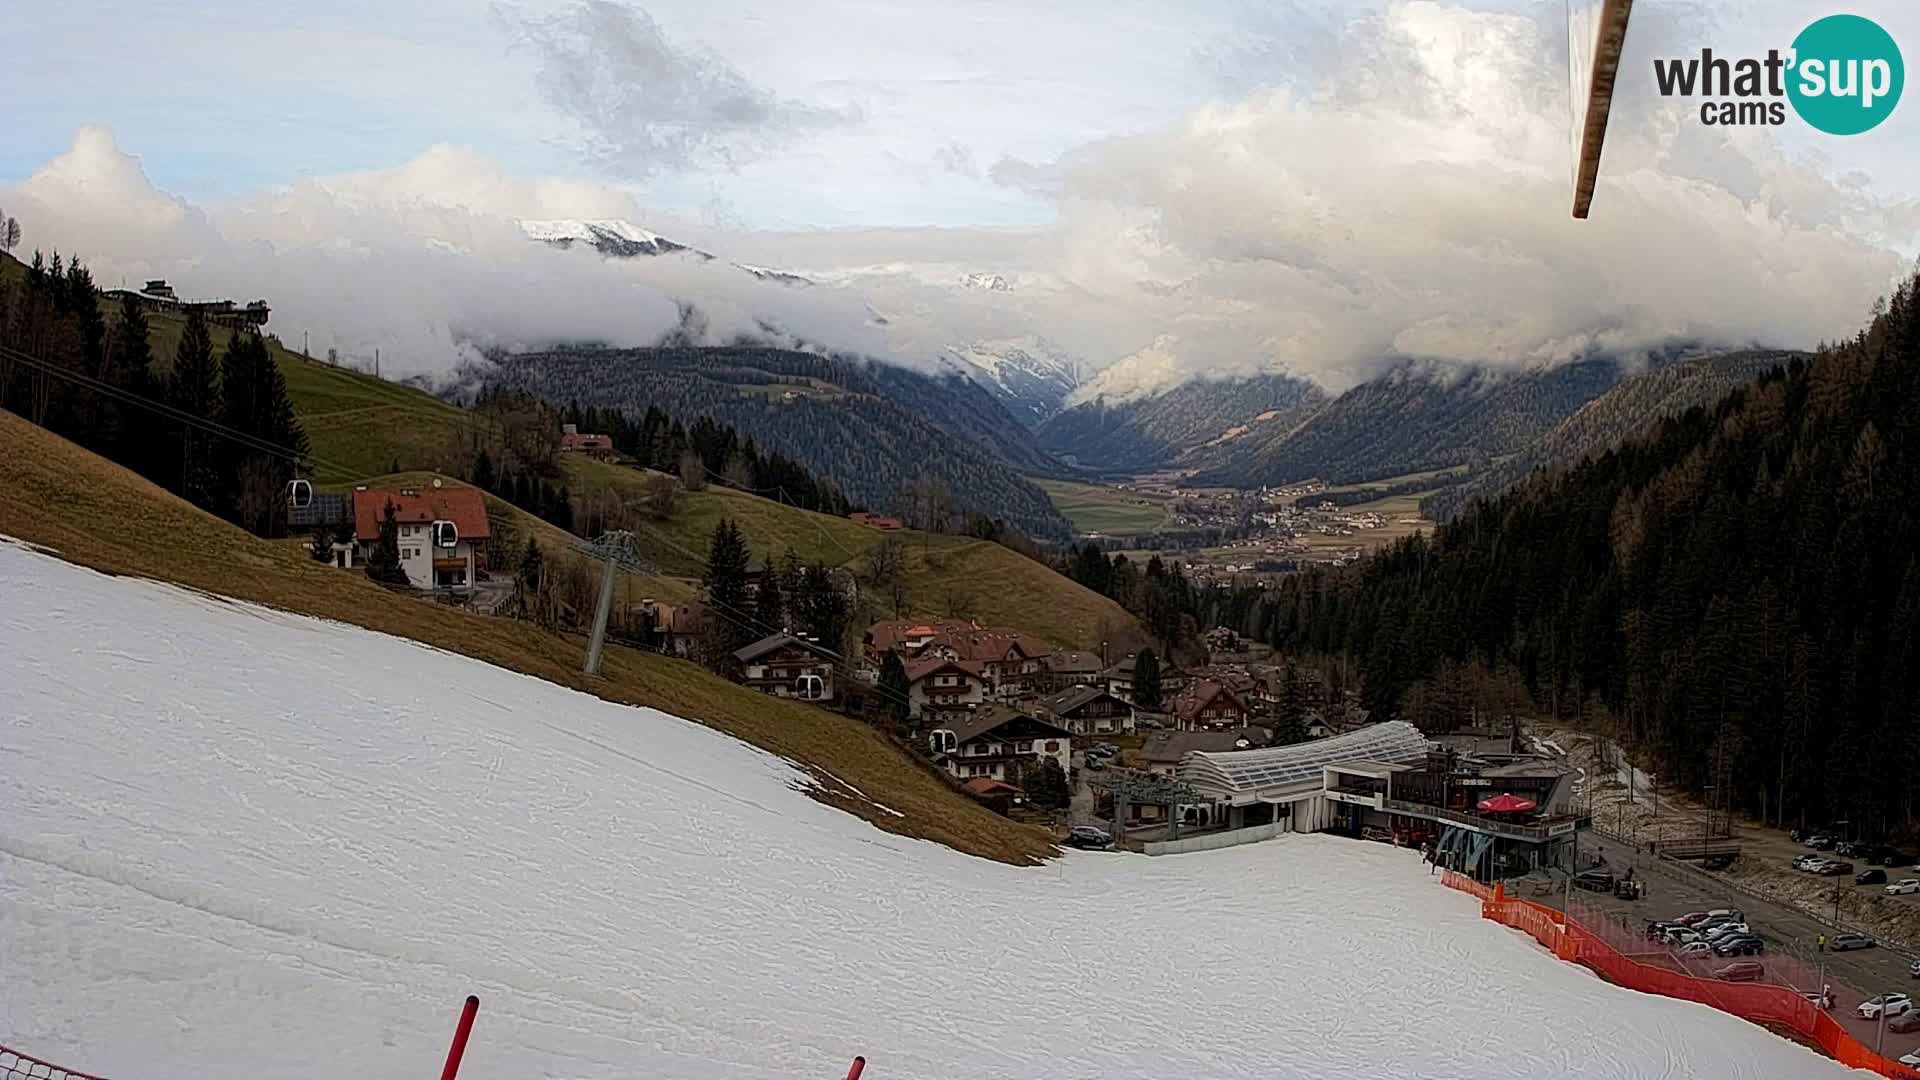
<point>1610,419</point>
<point>1152,433</point>
<point>1736,594</point>
<point>860,426</point>
<point>1415,420</point>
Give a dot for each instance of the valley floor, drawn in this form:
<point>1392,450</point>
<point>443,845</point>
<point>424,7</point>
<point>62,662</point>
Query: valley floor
<point>242,843</point>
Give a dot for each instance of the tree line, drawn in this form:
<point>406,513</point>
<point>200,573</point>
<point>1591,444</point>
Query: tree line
<point>1735,595</point>
<point>792,597</point>
<point>93,381</point>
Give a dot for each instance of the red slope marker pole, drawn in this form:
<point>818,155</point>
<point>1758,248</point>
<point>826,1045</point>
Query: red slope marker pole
<point>859,1066</point>
<point>460,1034</point>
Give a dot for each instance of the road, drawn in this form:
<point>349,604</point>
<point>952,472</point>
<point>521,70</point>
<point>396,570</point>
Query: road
<point>1675,889</point>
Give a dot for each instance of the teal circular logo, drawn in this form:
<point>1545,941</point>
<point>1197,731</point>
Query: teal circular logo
<point>1846,76</point>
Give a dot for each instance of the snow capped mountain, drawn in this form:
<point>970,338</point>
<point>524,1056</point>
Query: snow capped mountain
<point>780,277</point>
<point>1031,377</point>
<point>622,239</point>
<point>989,282</point>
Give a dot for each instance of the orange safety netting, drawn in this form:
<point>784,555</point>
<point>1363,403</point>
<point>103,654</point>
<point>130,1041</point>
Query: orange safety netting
<point>1569,939</point>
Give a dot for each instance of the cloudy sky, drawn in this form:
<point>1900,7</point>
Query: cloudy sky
<point>1172,187</point>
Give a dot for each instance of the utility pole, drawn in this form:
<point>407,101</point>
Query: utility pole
<point>622,548</point>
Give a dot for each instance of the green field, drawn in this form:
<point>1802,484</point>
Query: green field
<point>356,425</point>
<point>1096,508</point>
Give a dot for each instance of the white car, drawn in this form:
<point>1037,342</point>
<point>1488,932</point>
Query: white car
<point>1680,935</point>
<point>1696,948</point>
<point>1904,886</point>
<point>1911,1059</point>
<point>1892,1004</point>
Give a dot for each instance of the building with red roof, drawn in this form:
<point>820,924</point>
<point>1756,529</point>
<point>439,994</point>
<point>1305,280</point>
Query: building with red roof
<point>440,531</point>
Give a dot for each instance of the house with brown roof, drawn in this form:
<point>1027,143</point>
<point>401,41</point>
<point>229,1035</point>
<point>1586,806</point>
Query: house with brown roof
<point>1164,750</point>
<point>1067,668</point>
<point>883,522</point>
<point>573,441</point>
<point>1207,705</point>
<point>1088,710</point>
<point>941,690</point>
<point>1012,663</point>
<point>999,742</point>
<point>787,666</point>
<point>440,531</point>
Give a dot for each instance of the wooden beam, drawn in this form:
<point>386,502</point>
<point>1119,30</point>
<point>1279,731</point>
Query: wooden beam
<point>1611,40</point>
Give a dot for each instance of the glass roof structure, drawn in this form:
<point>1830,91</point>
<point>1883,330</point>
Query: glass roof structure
<point>1393,742</point>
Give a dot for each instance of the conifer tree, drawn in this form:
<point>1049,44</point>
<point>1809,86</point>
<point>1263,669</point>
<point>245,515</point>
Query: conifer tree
<point>1290,717</point>
<point>726,583</point>
<point>195,390</point>
<point>769,602</point>
<point>383,562</point>
<point>1147,693</point>
<point>893,691</point>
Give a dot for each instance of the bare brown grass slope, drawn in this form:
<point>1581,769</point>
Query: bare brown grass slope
<point>97,514</point>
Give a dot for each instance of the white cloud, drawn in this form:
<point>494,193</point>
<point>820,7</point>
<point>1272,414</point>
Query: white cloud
<point>647,104</point>
<point>1407,196</point>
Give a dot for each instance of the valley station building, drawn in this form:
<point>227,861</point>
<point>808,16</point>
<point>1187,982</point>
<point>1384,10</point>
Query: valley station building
<point>1388,781</point>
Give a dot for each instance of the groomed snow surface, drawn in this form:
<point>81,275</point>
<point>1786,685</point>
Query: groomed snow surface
<point>236,843</point>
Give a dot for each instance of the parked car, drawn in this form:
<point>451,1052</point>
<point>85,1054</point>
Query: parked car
<point>1846,848</point>
<point>1846,942</point>
<point>1594,880</point>
<point>1912,1059</point>
<point>1740,945</point>
<point>1870,877</point>
<point>1808,863</point>
<point>1821,841</point>
<point>1836,869</point>
<point>1089,837</point>
<point>1732,929</point>
<point>1905,1022</point>
<point>1696,948</point>
<point>1690,918</point>
<point>1904,886</point>
<point>1097,764</point>
<point>1658,929</point>
<point>1720,912</point>
<point>1744,971</point>
<point>1891,1004</point>
<point>1913,969</point>
<point>1680,935</point>
<point>1825,1001</point>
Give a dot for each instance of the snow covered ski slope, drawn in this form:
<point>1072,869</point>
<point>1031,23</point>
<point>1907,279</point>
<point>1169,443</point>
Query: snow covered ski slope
<point>236,843</point>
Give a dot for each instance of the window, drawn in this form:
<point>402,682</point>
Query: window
<point>1053,746</point>
<point>1025,747</point>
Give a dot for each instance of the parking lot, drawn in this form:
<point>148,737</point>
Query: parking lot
<point>1792,955</point>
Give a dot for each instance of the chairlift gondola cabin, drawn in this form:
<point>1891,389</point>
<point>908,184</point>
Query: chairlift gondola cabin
<point>299,494</point>
<point>943,741</point>
<point>810,688</point>
<point>445,535</point>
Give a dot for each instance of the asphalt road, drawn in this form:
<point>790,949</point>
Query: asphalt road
<point>1673,891</point>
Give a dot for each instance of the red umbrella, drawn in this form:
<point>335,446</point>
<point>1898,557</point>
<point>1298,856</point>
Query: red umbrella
<point>1507,804</point>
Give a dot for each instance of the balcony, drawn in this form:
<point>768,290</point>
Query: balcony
<point>1547,829</point>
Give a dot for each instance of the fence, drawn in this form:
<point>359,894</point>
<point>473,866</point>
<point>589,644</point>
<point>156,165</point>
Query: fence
<point>1212,840</point>
<point>15,1065</point>
<point>1600,947</point>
